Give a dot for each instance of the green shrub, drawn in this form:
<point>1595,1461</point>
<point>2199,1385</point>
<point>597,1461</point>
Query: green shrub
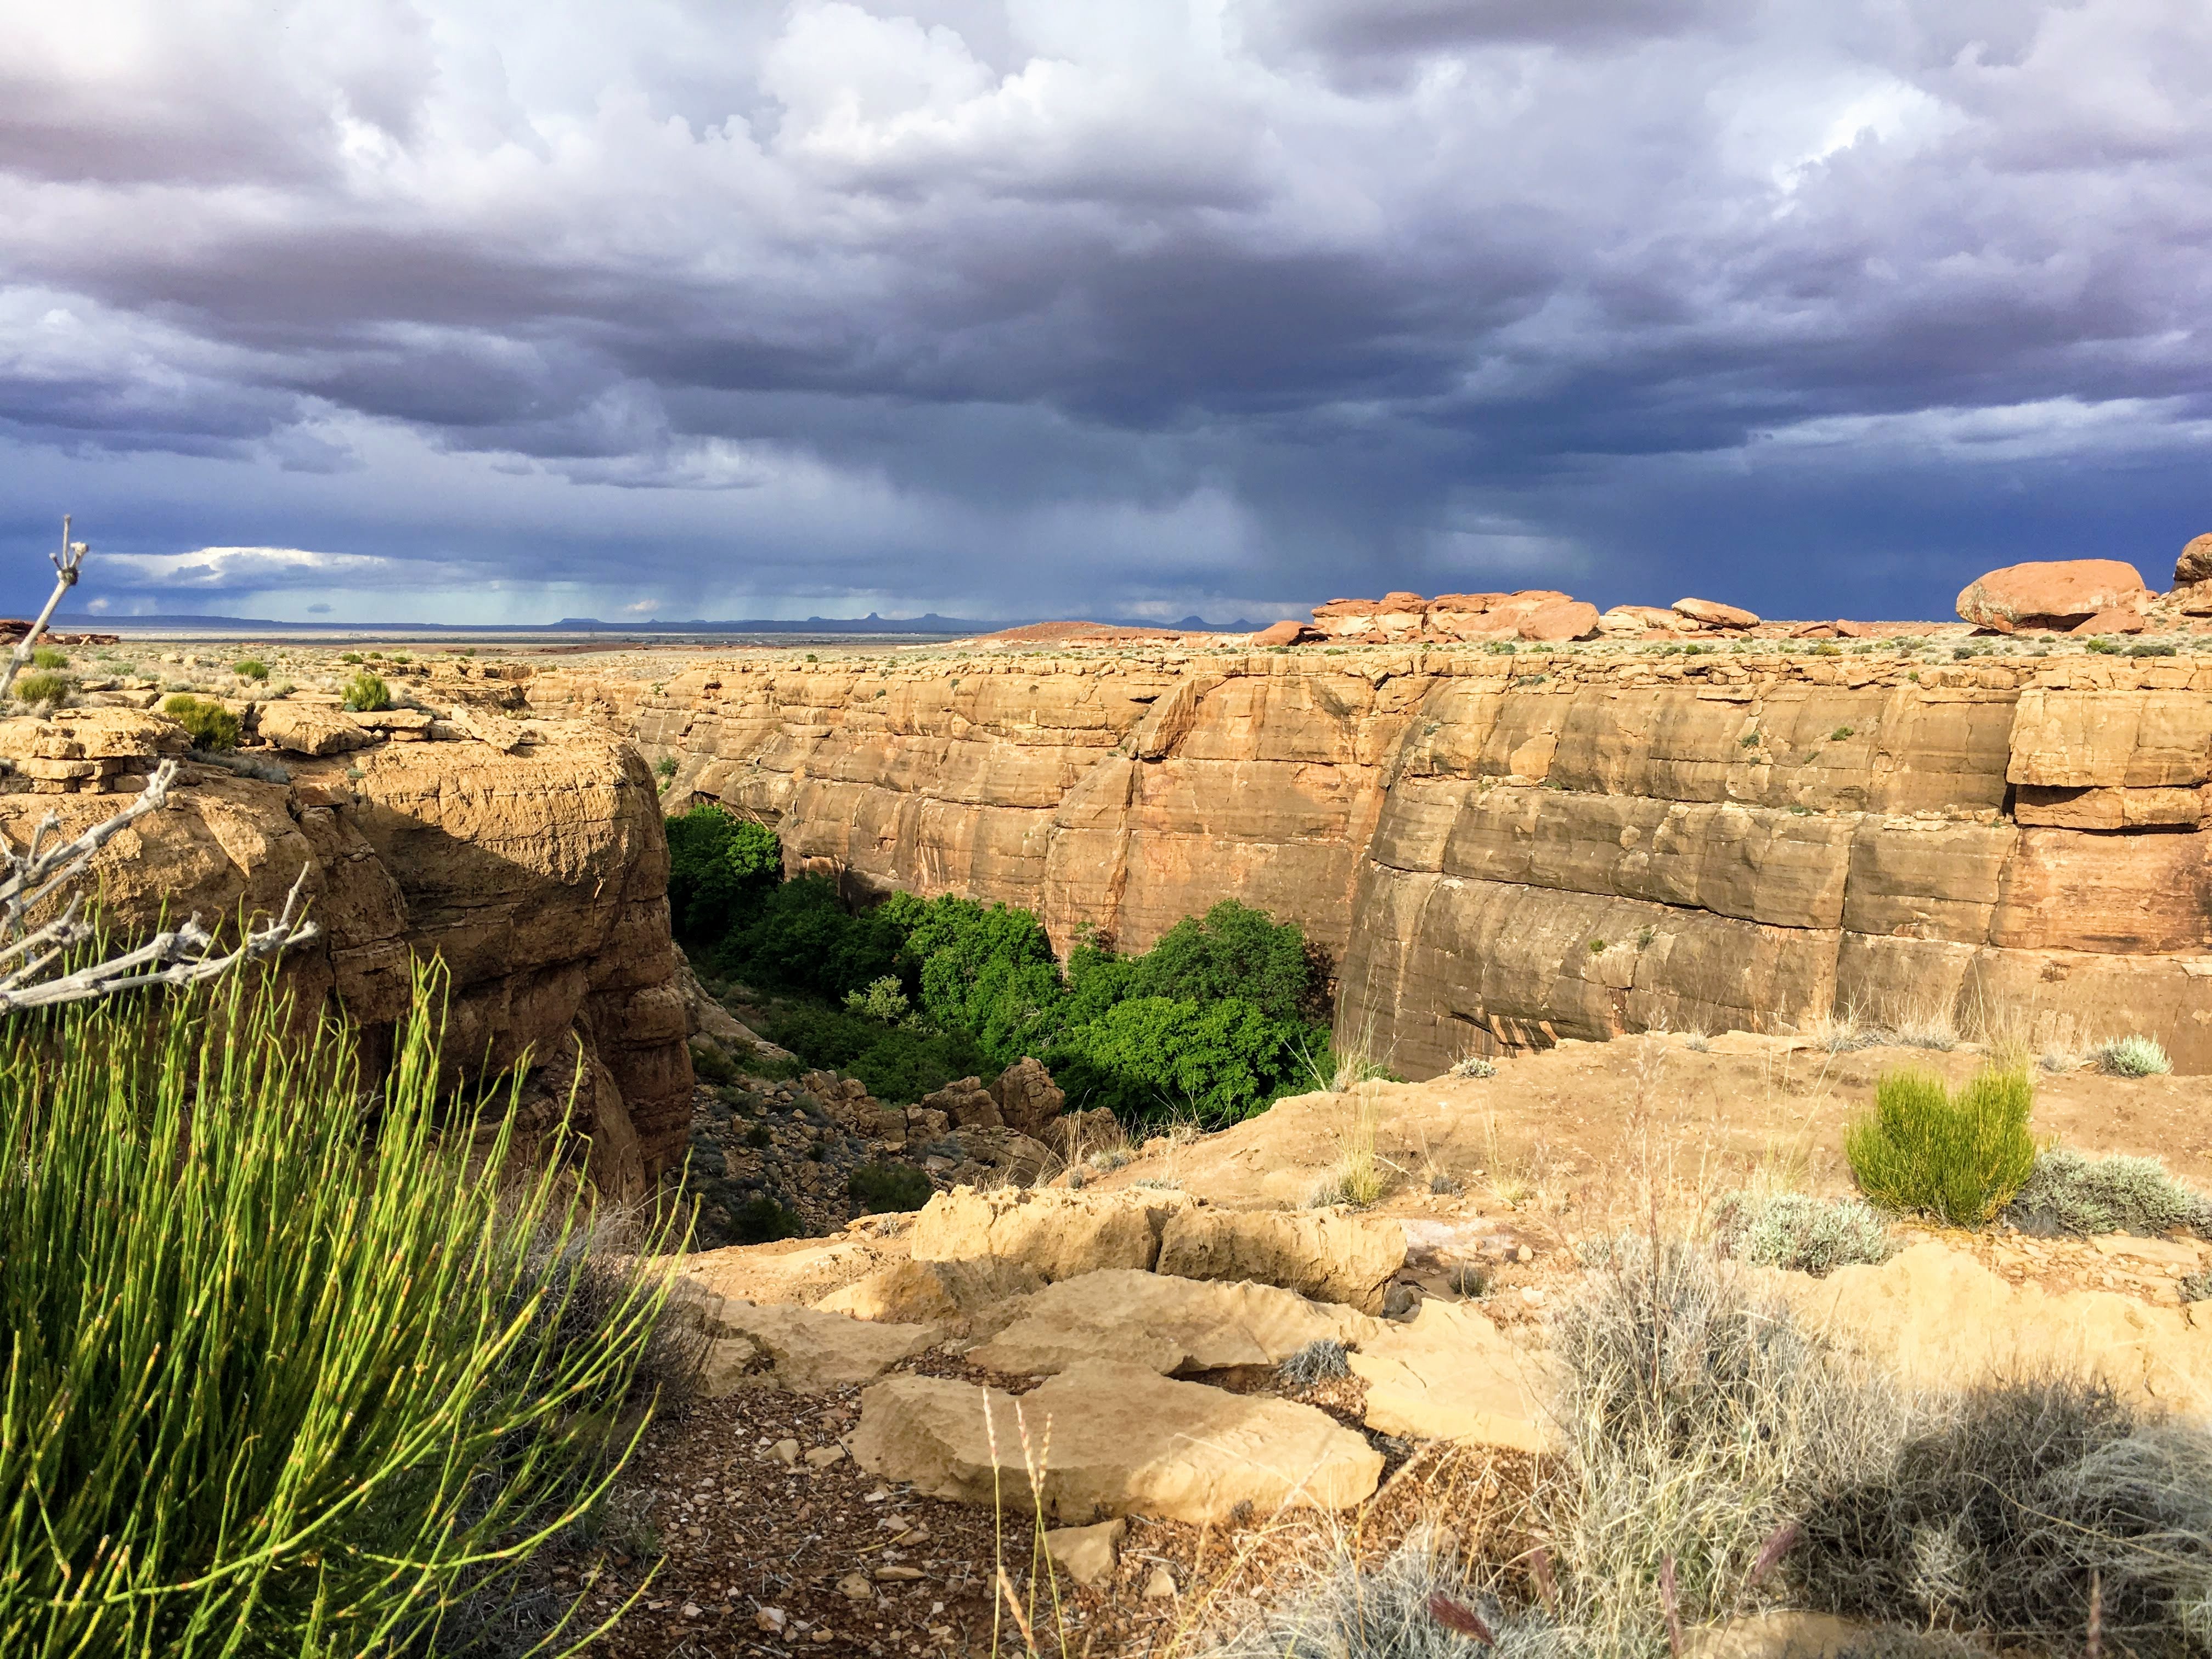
<point>719,866</point>
<point>710,1065</point>
<point>665,769</point>
<point>351,659</point>
<point>366,693</point>
<point>884,999</point>
<point>1234,951</point>
<point>898,1064</point>
<point>1218,1061</point>
<point>1803,1234</point>
<point>888,1187</point>
<point>763,1221</point>
<point>211,725</point>
<point>47,657</point>
<point>2133,1056</point>
<point>250,668</point>
<point>1961,1157</point>
<point>298,1364</point>
<point>2070,1192</point>
<point>44,688</point>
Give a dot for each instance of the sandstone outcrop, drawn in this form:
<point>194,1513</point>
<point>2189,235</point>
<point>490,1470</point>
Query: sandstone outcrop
<point>800,1350</point>
<point>539,880</point>
<point>1169,1325</point>
<point>1056,1234</point>
<point>2195,564</point>
<point>1125,1440</point>
<point>1326,1255</point>
<point>2061,593</point>
<point>1755,840</point>
<point>1449,1374</point>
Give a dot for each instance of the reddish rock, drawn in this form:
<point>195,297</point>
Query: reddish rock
<point>1816,630</point>
<point>1714,613</point>
<point>2195,564</point>
<point>1466,603</point>
<point>2112,622</point>
<point>1855,630</point>
<point>2058,593</point>
<point>1283,633</point>
<point>2195,600</point>
<point>1560,620</point>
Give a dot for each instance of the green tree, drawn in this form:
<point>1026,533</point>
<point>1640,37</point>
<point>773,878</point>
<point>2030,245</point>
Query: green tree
<point>718,866</point>
<point>1235,951</point>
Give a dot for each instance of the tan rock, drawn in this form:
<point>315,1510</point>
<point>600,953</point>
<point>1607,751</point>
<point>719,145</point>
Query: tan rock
<point>302,728</point>
<point>2195,564</point>
<point>1328,1257</point>
<point>1124,1441</point>
<point>799,1272</point>
<point>1621,620</point>
<point>1087,1554</point>
<point>1780,1634</point>
<point>1286,632</point>
<point>799,1350</point>
<point>966,1104</point>
<point>1165,1324</point>
<point>1714,614</point>
<point>2110,739</point>
<point>2063,808</point>
<point>508,736</point>
<point>969,1297</point>
<point>2051,594</point>
<point>2121,621</point>
<point>1057,1234</point>
<point>1937,1318</point>
<point>1449,1374</point>
<point>1027,1100</point>
<point>1559,621</point>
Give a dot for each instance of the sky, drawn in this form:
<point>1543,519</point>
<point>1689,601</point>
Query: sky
<point>419,310</point>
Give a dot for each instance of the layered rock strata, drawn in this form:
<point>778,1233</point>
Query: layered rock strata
<point>1507,849</point>
<point>540,878</point>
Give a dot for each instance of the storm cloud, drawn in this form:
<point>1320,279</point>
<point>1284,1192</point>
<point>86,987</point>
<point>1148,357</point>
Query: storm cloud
<point>495,312</point>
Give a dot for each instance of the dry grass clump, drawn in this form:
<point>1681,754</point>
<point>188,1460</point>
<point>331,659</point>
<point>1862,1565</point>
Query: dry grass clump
<point>1961,1157</point>
<point>2037,1510</point>
<point>1319,1361</point>
<point>2069,1192</point>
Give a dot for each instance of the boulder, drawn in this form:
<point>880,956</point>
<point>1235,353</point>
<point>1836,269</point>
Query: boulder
<point>797,1271</point>
<point>1027,1099</point>
<point>800,1350</point>
<point>1165,1324</point>
<point>1714,614</point>
<point>2112,622</point>
<point>967,1297</point>
<point>2056,594</point>
<point>1620,620</point>
<point>2194,601</point>
<point>1560,620</point>
<point>1449,1374</point>
<point>966,1104</point>
<point>1075,1135</point>
<point>1328,1257</point>
<point>1087,1554</point>
<point>2195,564</point>
<point>1123,1440</point>
<point>304,728</point>
<point>1056,1233</point>
<point>1937,1318</point>
<point>1286,632</point>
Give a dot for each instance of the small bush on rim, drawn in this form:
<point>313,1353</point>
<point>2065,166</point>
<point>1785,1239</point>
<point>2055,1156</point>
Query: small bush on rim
<point>2133,1056</point>
<point>889,1187</point>
<point>1959,1156</point>
<point>366,693</point>
<point>211,725</point>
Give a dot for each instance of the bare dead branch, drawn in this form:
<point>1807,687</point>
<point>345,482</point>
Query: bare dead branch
<point>66,565</point>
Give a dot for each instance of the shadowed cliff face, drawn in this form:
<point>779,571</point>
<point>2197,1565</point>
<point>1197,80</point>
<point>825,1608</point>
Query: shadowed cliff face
<point>1512,850</point>
<point>540,877</point>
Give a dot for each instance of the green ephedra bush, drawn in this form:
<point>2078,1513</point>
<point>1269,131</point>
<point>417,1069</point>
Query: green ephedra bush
<point>366,693</point>
<point>43,687</point>
<point>211,725</point>
<point>293,1367</point>
<point>1959,1156</point>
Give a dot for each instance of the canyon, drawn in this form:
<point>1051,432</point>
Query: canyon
<point>1500,851</point>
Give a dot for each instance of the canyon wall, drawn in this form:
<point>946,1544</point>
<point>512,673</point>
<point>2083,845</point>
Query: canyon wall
<point>1504,850</point>
<point>539,876</point>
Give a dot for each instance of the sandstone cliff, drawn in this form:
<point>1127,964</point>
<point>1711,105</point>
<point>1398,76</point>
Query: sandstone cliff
<point>1510,850</point>
<point>540,877</point>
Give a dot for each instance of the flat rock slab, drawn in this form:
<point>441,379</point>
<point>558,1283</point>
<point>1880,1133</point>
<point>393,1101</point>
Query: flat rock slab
<point>1056,1234</point>
<point>799,1271</point>
<point>1450,1374</point>
<point>1330,1258</point>
<point>1113,1439</point>
<point>1165,1325</point>
<point>975,1299</point>
<point>800,1349</point>
<point>1938,1318</point>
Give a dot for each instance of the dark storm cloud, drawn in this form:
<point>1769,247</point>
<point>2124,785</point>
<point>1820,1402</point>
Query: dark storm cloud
<point>1006,305</point>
